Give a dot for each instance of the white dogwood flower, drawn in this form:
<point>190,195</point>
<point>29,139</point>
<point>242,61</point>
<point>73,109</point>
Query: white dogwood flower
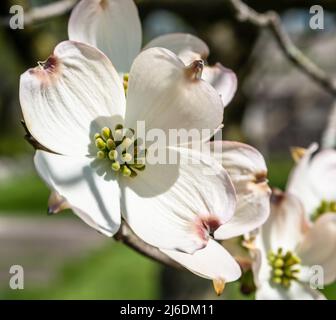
<point>313,181</point>
<point>114,27</point>
<point>286,248</point>
<point>75,106</point>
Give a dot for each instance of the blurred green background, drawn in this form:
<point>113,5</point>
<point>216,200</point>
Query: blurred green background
<point>65,259</point>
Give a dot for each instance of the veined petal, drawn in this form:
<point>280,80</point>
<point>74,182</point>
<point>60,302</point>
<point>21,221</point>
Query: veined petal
<point>300,184</point>
<point>237,248</point>
<point>248,172</point>
<point>223,80</point>
<point>297,291</point>
<point>190,48</point>
<point>166,94</point>
<point>319,246</point>
<point>286,224</point>
<point>251,212</point>
<point>284,229</point>
<point>93,198</point>
<point>260,267</point>
<point>57,203</point>
<point>177,206</point>
<point>112,26</point>
<point>212,262</point>
<point>323,174</point>
<point>73,95</point>
<point>186,46</point>
<point>243,163</point>
<point>239,159</point>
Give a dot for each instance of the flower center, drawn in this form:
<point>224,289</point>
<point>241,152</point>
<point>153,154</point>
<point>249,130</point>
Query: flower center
<point>122,150</point>
<point>284,267</point>
<point>324,207</point>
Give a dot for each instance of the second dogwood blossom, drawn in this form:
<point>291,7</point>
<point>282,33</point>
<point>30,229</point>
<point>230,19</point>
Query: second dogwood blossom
<point>313,181</point>
<point>287,249</point>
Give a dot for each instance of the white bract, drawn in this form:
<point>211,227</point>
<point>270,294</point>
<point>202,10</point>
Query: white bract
<point>313,181</point>
<point>287,247</point>
<point>248,172</point>
<point>114,27</point>
<point>75,106</point>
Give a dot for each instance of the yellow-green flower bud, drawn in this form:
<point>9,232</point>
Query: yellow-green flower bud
<point>106,133</point>
<point>115,166</point>
<point>113,154</point>
<point>276,280</point>
<point>118,135</point>
<point>278,272</point>
<point>126,171</point>
<point>127,157</point>
<point>110,144</point>
<point>100,144</point>
<point>271,256</point>
<point>278,263</point>
<point>101,155</point>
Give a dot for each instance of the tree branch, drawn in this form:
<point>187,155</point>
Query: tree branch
<point>244,13</point>
<point>272,22</point>
<point>45,12</point>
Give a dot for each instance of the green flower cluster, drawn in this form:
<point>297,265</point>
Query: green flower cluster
<point>324,207</point>
<point>122,149</point>
<point>284,267</point>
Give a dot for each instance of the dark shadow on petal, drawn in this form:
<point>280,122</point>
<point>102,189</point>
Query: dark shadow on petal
<point>153,181</point>
<point>87,174</point>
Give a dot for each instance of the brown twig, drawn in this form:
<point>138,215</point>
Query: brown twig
<point>272,22</point>
<point>244,13</point>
